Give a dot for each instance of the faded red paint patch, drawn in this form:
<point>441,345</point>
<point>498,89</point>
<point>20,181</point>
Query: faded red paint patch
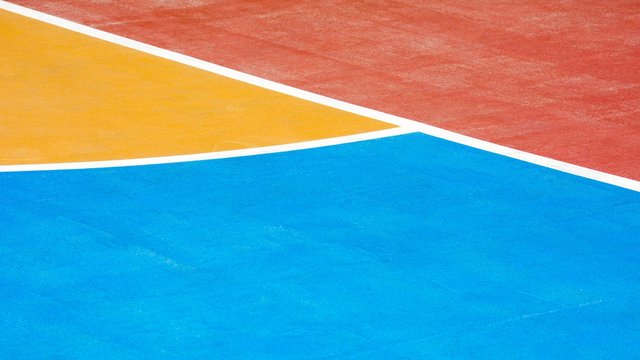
<point>559,79</point>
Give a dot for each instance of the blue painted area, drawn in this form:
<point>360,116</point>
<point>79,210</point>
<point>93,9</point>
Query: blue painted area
<point>404,247</point>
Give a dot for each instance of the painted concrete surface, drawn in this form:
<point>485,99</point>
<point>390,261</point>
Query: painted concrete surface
<point>67,97</point>
<point>403,247</point>
<point>556,78</point>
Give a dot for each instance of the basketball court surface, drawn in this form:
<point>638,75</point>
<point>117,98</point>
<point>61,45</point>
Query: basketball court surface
<point>208,179</point>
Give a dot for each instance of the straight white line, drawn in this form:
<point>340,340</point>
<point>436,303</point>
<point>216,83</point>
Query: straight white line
<point>533,158</point>
<point>212,155</point>
<point>409,125</point>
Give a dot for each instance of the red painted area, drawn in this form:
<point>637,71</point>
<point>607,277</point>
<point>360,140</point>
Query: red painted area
<point>556,78</point>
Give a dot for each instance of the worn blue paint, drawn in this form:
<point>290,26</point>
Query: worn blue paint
<point>407,247</point>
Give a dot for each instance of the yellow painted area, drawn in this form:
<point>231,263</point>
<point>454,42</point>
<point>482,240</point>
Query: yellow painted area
<point>67,97</point>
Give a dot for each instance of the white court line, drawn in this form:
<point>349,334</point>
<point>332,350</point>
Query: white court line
<point>372,135</point>
<point>408,125</point>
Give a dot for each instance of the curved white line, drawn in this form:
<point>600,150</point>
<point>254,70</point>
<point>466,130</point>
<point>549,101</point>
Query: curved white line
<point>211,155</point>
<point>407,124</point>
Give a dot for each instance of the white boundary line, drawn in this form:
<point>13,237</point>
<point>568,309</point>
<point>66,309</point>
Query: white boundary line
<point>406,124</point>
<point>212,155</point>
